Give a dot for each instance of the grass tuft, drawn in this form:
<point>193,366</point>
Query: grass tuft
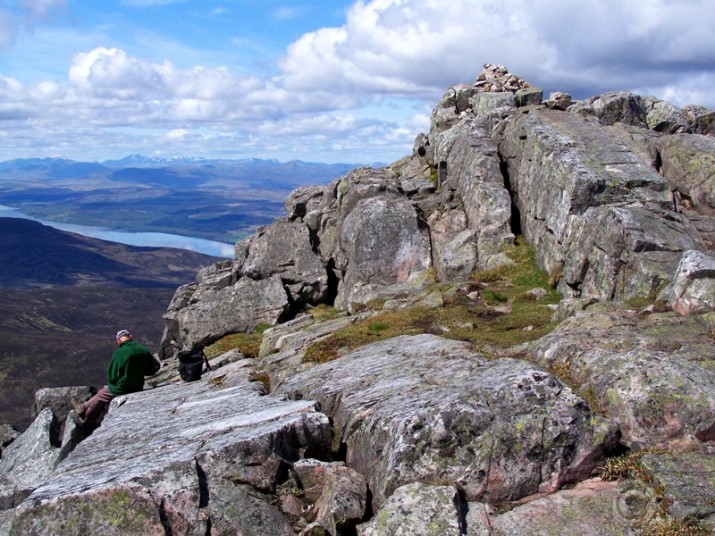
<point>478,321</point>
<point>377,327</point>
<point>492,296</point>
<point>667,526</point>
<point>248,343</point>
<point>325,312</point>
<point>628,466</point>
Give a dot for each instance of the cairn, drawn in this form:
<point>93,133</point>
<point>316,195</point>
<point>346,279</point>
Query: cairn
<point>497,79</point>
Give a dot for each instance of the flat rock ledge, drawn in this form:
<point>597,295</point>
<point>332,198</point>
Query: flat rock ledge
<point>178,459</point>
<point>426,409</point>
<point>687,482</point>
<point>591,508</point>
<point>653,374</point>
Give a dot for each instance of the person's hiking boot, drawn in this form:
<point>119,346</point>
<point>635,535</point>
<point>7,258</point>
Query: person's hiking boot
<point>78,407</point>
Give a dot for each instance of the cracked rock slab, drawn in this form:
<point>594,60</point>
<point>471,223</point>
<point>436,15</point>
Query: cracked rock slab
<point>688,484</point>
<point>149,467</point>
<point>419,510</point>
<point>653,374</point>
<point>423,408</point>
<point>591,508</point>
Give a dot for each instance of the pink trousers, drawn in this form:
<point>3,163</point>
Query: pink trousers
<point>96,406</point>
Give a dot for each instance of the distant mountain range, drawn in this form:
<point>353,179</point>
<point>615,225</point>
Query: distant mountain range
<point>63,298</point>
<point>222,200</point>
<point>277,173</point>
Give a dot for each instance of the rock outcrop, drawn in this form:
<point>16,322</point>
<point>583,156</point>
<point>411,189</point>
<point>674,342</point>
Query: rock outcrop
<point>425,409</point>
<point>421,434</point>
<point>189,457</point>
<point>609,205</point>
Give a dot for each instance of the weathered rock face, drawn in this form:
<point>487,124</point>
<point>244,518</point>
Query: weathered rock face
<point>418,509</point>
<point>702,120</point>
<point>654,375</point>
<point>32,458</point>
<point>211,314</point>
<point>615,107</point>
<point>286,249</point>
<point>473,171</point>
<point>688,483</point>
<point>591,207</point>
<point>687,165</point>
<point>609,191</point>
<point>426,409</point>
<point>662,116</point>
<point>693,287</point>
<point>335,494</point>
<point>591,508</point>
<point>385,243</point>
<point>179,458</point>
<point>621,252</point>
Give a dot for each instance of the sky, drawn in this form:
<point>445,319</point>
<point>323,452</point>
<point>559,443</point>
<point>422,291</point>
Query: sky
<point>315,80</point>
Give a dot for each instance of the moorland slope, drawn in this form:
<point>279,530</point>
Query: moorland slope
<point>63,297</point>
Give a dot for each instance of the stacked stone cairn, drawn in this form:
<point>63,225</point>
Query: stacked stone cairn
<point>497,79</point>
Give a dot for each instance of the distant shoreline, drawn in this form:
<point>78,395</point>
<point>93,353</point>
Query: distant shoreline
<point>149,239</point>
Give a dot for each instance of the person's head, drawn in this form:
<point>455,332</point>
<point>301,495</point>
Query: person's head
<point>123,335</point>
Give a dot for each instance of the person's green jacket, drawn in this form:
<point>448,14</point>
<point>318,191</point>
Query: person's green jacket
<point>130,363</point>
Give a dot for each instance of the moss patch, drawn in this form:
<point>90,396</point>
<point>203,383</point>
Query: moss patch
<point>383,326</point>
<point>325,312</point>
<point>248,343</point>
<point>484,321</point>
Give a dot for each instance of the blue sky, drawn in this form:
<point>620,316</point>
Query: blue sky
<point>318,80</point>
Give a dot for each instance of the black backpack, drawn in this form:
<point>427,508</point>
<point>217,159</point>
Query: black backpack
<point>191,364</point>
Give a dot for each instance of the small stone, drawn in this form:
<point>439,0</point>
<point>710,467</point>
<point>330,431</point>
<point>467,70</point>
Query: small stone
<point>292,505</point>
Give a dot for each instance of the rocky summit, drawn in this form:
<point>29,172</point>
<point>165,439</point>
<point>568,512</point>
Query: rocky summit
<point>407,375</point>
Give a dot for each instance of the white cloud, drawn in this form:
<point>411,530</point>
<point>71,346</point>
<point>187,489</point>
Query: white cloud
<point>417,47</point>
<point>112,73</point>
<point>411,47</point>
<point>177,133</point>
<point>219,11</point>
<point>9,87</point>
<point>358,92</point>
<point>105,72</point>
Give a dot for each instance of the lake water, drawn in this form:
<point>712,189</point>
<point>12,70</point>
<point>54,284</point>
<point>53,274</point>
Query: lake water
<point>164,240</point>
